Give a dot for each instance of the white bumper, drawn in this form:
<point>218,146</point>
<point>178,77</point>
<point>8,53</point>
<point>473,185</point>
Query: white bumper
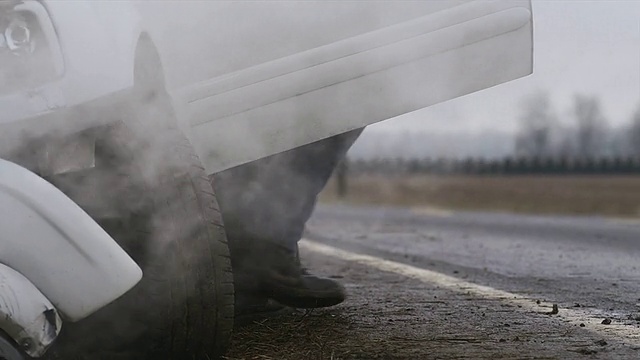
<point>51,241</point>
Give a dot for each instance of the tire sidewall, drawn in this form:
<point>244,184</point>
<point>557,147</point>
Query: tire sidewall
<point>168,225</point>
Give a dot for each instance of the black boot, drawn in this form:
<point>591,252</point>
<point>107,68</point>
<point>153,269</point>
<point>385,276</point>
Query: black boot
<point>268,201</point>
<point>271,271</point>
<point>251,307</point>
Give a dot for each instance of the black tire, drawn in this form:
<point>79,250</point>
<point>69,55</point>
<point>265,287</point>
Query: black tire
<point>167,218</point>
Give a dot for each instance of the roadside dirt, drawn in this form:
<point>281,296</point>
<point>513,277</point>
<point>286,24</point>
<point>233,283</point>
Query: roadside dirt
<point>388,316</point>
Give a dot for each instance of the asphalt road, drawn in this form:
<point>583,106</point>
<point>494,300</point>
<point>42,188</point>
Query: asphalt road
<point>589,267</point>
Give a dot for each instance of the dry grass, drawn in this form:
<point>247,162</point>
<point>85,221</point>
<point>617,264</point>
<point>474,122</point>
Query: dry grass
<point>309,335</point>
<point>575,195</point>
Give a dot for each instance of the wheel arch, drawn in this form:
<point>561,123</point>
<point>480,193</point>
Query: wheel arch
<point>147,58</point>
<point>146,51</point>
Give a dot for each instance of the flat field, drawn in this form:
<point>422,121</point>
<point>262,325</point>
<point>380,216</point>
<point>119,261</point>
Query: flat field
<point>616,196</point>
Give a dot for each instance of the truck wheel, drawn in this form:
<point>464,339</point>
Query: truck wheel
<point>165,215</point>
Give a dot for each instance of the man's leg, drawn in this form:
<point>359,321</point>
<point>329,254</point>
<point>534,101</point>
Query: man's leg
<point>265,205</point>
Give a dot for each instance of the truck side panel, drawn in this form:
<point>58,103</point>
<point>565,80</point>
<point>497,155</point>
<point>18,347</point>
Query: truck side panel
<point>307,96</point>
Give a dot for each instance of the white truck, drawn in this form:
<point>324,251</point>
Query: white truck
<point>113,114</point>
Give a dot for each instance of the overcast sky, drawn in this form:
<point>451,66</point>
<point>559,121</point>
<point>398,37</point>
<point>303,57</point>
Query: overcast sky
<point>580,47</point>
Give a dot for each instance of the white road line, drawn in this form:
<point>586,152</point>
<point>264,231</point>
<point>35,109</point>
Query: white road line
<point>621,333</point>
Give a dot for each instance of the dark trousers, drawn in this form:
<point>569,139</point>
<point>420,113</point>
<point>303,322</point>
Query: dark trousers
<point>271,199</point>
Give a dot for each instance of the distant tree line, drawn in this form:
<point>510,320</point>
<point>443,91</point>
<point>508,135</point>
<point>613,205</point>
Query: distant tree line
<point>584,143</point>
<point>584,133</point>
<point>506,166</point>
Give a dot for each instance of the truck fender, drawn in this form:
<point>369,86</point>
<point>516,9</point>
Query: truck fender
<point>51,241</point>
<point>26,315</point>
<point>98,54</point>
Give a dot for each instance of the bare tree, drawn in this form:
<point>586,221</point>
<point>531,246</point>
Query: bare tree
<point>537,122</point>
<point>633,136</point>
<point>591,130</point>
<point>566,142</point>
